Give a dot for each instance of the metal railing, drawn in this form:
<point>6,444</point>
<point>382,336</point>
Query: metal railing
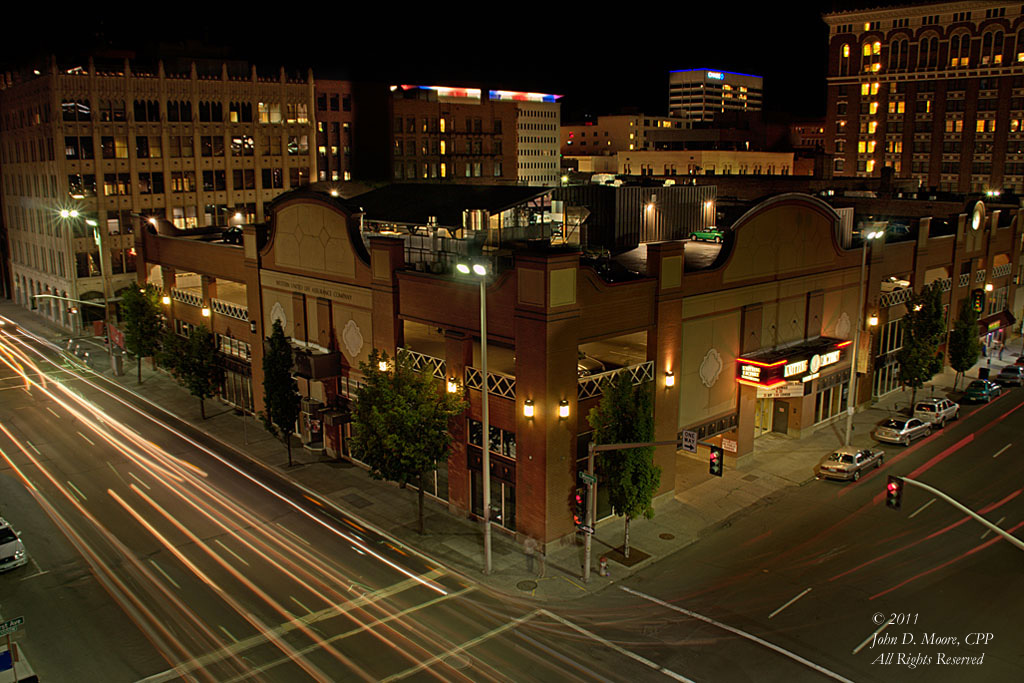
<point>945,284</point>
<point>590,385</point>
<point>979,277</point>
<point>965,279</point>
<point>900,296</point>
<point>497,383</point>
<point>1003,270</point>
<point>230,309</point>
<point>421,362</point>
<point>187,297</point>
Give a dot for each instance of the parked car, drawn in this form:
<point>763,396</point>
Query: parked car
<point>848,462</point>
<point>1011,375</point>
<point>902,430</point>
<point>232,235</point>
<point>1020,360</point>
<point>981,390</point>
<point>937,411</point>
<point>12,552</point>
<point>710,234</point>
<point>585,365</point>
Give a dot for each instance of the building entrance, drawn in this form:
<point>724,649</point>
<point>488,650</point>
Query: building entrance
<point>763,416</point>
<point>780,417</point>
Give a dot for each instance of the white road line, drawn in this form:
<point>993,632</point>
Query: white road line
<point>621,650</point>
<point>237,556</point>
<point>80,494</point>
<point>789,603</point>
<point>1002,450</point>
<point>53,412</point>
<point>292,533</point>
<point>166,575</point>
<point>868,639</point>
<point>731,629</point>
<point>86,438</point>
<point>132,475</point>
<point>116,473</point>
<point>295,600</point>
<point>39,570</point>
<point>988,531</point>
<point>33,447</point>
<point>918,511</point>
<point>227,633</point>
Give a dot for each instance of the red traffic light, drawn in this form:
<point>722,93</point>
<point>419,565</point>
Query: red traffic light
<point>894,492</point>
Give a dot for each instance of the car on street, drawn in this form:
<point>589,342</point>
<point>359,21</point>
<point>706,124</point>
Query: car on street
<point>1020,360</point>
<point>12,551</point>
<point>937,411</point>
<point>1011,375</point>
<point>710,234</point>
<point>847,462</point>
<point>902,430</point>
<point>981,390</point>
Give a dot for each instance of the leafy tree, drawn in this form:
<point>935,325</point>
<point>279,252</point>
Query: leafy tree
<point>400,422</point>
<point>281,398</point>
<point>923,329</point>
<point>202,372</point>
<point>964,345</point>
<point>142,322</point>
<point>171,354</point>
<point>625,414</point>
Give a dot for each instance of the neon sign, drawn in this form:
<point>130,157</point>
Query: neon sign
<point>716,75</point>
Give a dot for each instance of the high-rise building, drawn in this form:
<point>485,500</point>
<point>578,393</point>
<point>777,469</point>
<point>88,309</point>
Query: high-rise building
<point>335,118</point>
<point>934,92</point>
<point>538,117</point>
<point>87,151</point>
<point>700,94</point>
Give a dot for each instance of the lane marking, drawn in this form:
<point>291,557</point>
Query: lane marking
<point>227,633</point>
<point>166,575</point>
<point>621,650</point>
<point>132,475</point>
<point>33,447</point>
<point>789,603</point>
<point>39,570</point>
<point>869,638</point>
<point>1002,450</point>
<point>293,534</point>
<point>85,437</point>
<point>237,556</point>
<point>918,511</point>
<point>80,494</point>
<point>53,412</point>
<point>116,473</point>
<point>989,531</point>
<point>295,600</point>
<point>743,634</point>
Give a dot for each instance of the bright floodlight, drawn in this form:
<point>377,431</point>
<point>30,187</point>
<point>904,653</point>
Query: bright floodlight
<point>479,270</point>
<point>64,213</point>
<point>462,268</point>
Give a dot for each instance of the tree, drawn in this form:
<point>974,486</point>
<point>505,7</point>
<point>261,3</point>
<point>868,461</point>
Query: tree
<point>171,354</point>
<point>142,322</point>
<point>964,345</point>
<point>924,326</point>
<point>400,422</point>
<point>201,371</point>
<point>281,398</point>
<point>625,414</point>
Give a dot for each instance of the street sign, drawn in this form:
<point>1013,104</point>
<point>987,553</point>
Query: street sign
<point>11,625</point>
<point>587,477</point>
<point>586,529</point>
<point>690,442</point>
<point>729,445</point>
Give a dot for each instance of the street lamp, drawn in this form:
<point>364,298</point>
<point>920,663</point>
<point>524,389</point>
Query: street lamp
<point>851,398</point>
<point>480,271</point>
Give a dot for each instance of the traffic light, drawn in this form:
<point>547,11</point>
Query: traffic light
<point>717,461</point>
<point>894,492</point>
<point>579,506</point>
<point>978,300</point>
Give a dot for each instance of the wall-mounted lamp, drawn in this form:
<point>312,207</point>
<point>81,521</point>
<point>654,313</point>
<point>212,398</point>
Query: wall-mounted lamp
<point>206,311</point>
<point>563,409</point>
<point>252,326</point>
<point>670,379</point>
<point>453,385</point>
<point>989,287</point>
<point>166,300</point>
<point>528,408</point>
<point>873,320</point>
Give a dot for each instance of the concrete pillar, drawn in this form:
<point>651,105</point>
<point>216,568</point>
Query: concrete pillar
<point>458,354</point>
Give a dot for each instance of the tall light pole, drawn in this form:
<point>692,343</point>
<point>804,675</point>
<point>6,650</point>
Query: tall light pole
<point>851,399</point>
<point>74,214</point>
<point>481,272</point>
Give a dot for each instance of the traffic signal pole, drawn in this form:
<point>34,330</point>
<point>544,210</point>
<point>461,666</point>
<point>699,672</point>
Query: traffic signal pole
<point>963,508</point>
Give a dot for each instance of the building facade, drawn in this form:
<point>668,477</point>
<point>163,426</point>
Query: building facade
<point>704,162</point>
<point>701,94</point>
<point>610,135</point>
<point>538,117</point>
<point>85,150</point>
<point>934,92</point>
<point>335,119</point>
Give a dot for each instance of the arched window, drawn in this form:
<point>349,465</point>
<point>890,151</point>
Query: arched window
<point>844,60</point>
<point>1020,45</point>
<point>960,50</point>
<point>928,53</point>
<point>898,54</point>
<point>997,47</point>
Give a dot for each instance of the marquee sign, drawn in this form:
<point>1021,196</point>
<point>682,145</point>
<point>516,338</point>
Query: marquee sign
<point>809,361</point>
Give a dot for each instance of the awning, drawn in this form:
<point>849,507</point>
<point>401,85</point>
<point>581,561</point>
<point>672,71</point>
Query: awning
<point>996,321</point>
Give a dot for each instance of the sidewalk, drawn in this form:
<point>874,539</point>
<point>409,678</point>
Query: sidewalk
<point>702,503</point>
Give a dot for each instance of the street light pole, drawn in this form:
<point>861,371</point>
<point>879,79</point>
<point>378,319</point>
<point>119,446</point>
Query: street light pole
<point>851,398</point>
<point>106,293</point>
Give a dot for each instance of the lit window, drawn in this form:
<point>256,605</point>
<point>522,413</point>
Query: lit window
<point>865,88</point>
<point>874,88</point>
<point>875,67</point>
<point>873,109</point>
<point>872,127</point>
<point>867,49</point>
<point>980,126</point>
<point>871,146</point>
<point>867,25</point>
<point>444,148</point>
<point>1014,125</point>
<point>862,147</point>
<point>991,127</point>
<point>444,167</point>
<point>441,124</point>
<point>876,48</point>
<point>846,52</point>
<point>870,166</point>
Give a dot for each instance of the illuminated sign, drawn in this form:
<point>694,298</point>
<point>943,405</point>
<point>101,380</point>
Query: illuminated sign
<point>717,75</point>
<point>751,372</point>
<point>808,378</point>
<point>830,358</point>
<point>517,96</point>
<point>795,368</point>
<point>767,375</point>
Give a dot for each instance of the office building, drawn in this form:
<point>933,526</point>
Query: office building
<point>335,119</point>
<point>703,94</point>
<point>934,92</point>
<point>538,117</point>
<point>609,135</point>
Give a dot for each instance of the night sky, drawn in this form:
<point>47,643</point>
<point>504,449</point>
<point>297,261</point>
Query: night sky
<point>602,58</point>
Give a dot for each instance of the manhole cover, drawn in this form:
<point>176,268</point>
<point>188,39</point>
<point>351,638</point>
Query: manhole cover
<point>527,585</point>
<point>666,537</point>
<point>457,661</point>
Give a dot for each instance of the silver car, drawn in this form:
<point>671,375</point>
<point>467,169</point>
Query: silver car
<point>902,430</point>
<point>937,411</point>
<point>848,462</point>
<point>1011,374</point>
<point>12,552</point>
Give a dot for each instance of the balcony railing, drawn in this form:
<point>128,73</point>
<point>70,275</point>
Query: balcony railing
<point>497,383</point>
<point>900,296</point>
<point>590,386</point>
<point>421,362</point>
<point>945,284</point>
<point>965,279</point>
<point>979,277</point>
<point>1003,270</point>
<point>230,309</point>
<point>187,297</point>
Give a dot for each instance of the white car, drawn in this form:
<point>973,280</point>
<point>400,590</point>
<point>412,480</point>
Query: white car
<point>937,411</point>
<point>12,552</point>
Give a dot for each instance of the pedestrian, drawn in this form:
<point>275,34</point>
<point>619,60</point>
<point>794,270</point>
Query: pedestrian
<point>1001,345</point>
<point>530,549</point>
